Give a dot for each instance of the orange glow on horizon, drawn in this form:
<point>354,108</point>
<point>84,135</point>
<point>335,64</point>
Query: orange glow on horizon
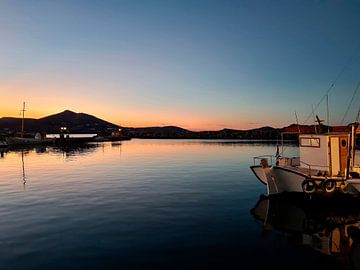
<point>120,112</point>
<point>135,119</point>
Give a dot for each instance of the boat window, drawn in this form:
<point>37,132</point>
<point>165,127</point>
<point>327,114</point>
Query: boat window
<point>343,143</point>
<point>310,142</point>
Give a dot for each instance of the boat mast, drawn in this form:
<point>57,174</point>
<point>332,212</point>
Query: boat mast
<point>22,120</point>
<point>314,118</point>
<point>297,122</point>
<point>327,112</point>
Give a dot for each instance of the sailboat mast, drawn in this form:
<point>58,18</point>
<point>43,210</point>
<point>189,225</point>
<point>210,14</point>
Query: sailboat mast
<point>22,120</point>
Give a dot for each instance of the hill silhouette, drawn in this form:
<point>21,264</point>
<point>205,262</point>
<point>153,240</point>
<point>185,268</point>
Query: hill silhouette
<point>75,122</point>
<point>173,132</point>
<point>86,123</point>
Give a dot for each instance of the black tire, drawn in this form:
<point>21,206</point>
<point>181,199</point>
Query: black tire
<point>329,185</point>
<point>309,186</point>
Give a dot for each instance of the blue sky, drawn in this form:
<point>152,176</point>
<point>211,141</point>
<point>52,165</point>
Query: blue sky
<point>195,64</point>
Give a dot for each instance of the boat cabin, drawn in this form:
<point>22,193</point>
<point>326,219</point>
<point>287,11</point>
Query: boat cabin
<point>327,153</point>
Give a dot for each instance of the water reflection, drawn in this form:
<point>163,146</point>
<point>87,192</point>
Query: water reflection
<point>173,204</point>
<point>23,169</point>
<point>330,227</point>
<point>75,150</point>
<point>65,150</point>
<point>36,157</point>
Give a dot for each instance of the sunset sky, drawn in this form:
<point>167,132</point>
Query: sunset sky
<point>195,64</point>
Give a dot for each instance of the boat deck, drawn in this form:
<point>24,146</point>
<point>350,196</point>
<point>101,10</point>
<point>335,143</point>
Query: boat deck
<point>313,173</point>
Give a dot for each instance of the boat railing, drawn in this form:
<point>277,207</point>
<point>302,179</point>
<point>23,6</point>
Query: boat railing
<point>311,168</point>
<point>269,158</point>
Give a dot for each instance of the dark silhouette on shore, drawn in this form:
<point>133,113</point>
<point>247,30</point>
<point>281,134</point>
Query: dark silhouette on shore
<point>88,124</point>
<point>75,122</point>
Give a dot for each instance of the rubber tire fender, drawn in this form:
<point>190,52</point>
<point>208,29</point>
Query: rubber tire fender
<point>329,185</point>
<point>309,186</point>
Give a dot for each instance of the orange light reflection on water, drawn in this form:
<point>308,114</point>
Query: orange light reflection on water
<point>41,165</point>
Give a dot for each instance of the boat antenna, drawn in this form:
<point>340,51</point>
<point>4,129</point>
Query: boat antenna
<point>351,101</point>
<point>319,123</point>
<point>313,115</point>
<point>358,115</point>
<point>22,120</point>
<point>297,122</point>
<point>327,113</point>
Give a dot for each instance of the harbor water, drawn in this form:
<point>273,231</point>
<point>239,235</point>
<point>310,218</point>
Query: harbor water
<point>157,204</point>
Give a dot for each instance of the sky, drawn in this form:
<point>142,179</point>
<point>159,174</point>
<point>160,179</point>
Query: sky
<point>200,65</point>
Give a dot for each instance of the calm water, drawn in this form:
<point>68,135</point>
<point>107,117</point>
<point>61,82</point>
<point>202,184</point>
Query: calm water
<point>152,204</point>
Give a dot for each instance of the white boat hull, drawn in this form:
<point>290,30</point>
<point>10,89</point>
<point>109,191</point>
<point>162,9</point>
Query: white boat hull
<point>278,179</point>
<point>260,174</point>
<point>283,180</point>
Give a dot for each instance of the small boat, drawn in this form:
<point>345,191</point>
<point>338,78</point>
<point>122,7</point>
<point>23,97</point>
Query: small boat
<point>113,137</point>
<point>327,165</point>
<point>28,141</point>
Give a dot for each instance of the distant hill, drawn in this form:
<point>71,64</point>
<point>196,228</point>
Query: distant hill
<point>75,122</point>
<point>159,132</point>
<point>264,133</point>
<point>85,123</point>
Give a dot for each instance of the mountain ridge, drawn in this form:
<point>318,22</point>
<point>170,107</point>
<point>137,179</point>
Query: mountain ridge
<point>86,123</point>
<point>75,122</point>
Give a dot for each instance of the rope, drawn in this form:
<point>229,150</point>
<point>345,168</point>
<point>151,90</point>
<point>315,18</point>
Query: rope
<point>333,84</point>
<point>351,101</point>
<point>327,92</point>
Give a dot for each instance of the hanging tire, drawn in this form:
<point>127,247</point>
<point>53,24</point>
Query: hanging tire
<point>309,186</point>
<point>329,185</point>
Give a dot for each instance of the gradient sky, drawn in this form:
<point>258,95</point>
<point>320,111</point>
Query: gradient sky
<point>195,64</point>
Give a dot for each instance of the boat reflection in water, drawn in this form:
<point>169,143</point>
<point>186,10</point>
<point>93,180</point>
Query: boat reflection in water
<point>66,150</point>
<point>328,227</point>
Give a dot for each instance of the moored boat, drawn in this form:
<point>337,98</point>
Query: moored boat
<point>28,141</point>
<point>327,165</point>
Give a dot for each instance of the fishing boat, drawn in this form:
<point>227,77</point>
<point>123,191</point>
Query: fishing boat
<point>327,164</point>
